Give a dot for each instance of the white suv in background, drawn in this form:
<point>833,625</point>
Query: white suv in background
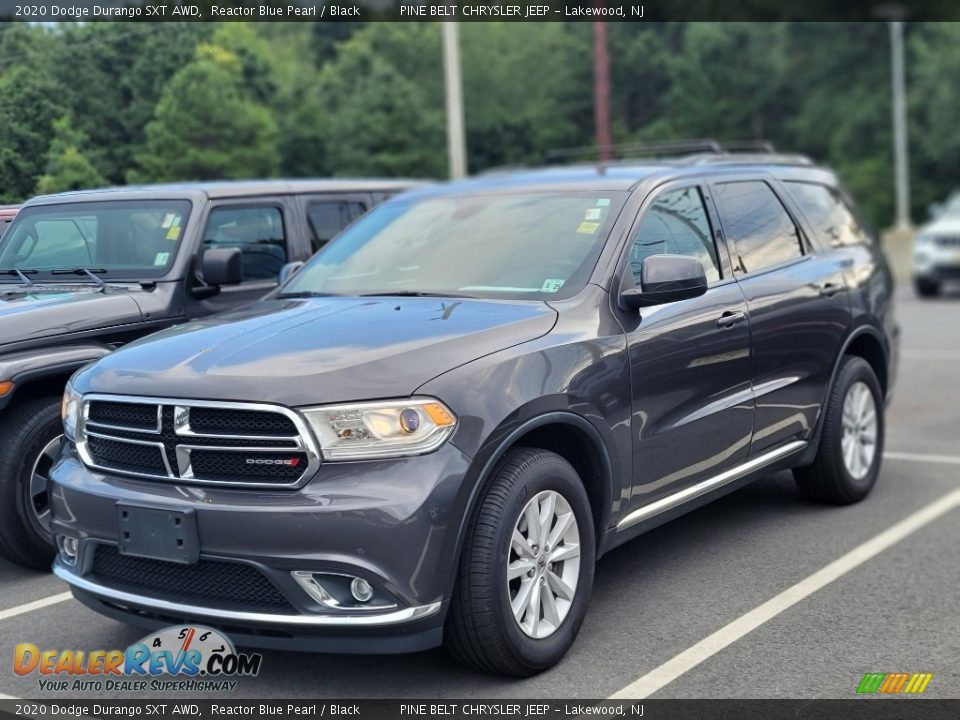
<point>936,249</point>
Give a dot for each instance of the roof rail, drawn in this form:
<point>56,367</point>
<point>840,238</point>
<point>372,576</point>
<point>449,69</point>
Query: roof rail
<point>690,152</point>
<point>642,149</point>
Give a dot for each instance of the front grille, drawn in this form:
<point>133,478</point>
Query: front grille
<point>199,443</point>
<point>207,583</point>
<point>947,240</point>
<point>237,422</point>
<point>127,456</point>
<point>132,415</point>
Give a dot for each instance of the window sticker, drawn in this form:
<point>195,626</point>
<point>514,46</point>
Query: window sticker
<point>167,220</point>
<point>177,219</point>
<point>173,233</point>
<point>603,202</point>
<point>161,259</point>
<point>593,214</point>
<point>551,285</point>
<point>588,228</point>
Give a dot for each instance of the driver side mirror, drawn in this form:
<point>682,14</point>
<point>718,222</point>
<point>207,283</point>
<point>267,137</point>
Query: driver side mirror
<point>666,279</point>
<point>223,266</point>
<point>289,270</point>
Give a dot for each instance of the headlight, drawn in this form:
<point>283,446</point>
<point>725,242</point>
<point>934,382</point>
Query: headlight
<point>70,412</point>
<point>924,240</point>
<point>392,428</point>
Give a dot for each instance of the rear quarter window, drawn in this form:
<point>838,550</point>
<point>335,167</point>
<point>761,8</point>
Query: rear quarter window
<point>832,220</point>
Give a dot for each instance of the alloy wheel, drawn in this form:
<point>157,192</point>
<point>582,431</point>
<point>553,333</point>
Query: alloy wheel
<point>859,427</point>
<point>544,564</point>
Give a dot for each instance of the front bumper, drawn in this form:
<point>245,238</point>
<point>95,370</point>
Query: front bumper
<point>936,264</point>
<point>392,523</point>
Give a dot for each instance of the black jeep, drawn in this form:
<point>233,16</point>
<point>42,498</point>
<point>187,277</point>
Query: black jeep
<point>84,273</point>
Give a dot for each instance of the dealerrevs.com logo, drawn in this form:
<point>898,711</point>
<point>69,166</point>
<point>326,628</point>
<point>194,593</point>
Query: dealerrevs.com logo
<point>199,658</point>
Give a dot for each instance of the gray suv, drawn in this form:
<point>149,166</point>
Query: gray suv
<point>435,428</point>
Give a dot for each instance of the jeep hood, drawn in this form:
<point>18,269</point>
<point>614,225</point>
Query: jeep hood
<point>320,350</point>
<point>46,312</point>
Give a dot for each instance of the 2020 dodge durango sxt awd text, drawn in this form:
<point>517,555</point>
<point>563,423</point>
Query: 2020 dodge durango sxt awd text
<point>434,429</point>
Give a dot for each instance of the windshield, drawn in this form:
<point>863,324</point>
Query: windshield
<point>122,239</point>
<point>532,246</point>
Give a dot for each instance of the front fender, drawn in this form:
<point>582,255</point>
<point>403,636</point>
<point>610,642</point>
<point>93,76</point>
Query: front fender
<point>26,366</point>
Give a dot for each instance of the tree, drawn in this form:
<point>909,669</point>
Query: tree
<point>67,166</point>
<point>381,103</point>
<point>27,111</point>
<point>206,125</point>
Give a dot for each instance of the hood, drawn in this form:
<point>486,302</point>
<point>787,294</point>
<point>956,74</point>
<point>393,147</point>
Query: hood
<point>320,350</point>
<point>945,225</point>
<point>51,311</point>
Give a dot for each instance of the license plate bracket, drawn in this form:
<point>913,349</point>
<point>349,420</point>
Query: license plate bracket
<point>158,534</point>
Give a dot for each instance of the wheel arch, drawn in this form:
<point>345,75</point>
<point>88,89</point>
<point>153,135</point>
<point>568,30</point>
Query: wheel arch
<point>571,436</point>
<point>864,342</point>
<point>44,373</point>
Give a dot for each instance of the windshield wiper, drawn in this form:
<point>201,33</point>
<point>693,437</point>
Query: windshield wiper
<point>306,294</point>
<point>414,293</point>
<point>83,271</point>
<point>22,274</point>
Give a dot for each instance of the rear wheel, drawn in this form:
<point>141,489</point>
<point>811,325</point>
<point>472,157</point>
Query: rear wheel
<point>851,444</point>
<point>926,288</point>
<point>29,443</point>
<point>526,572</point>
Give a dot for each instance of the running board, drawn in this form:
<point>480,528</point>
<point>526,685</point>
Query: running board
<point>694,491</point>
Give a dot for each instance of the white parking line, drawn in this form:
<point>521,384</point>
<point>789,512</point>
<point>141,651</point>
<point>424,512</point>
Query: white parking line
<point>659,677</point>
<point>35,605</point>
<point>921,457</point>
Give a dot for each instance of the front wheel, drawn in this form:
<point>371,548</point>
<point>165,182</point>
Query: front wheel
<point>851,443</point>
<point>29,443</point>
<point>526,572</point>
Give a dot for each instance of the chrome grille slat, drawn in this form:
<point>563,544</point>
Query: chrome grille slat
<point>175,440</point>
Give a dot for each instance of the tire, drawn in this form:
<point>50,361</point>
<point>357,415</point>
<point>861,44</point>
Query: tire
<point>843,478</point>
<point>481,630</point>
<point>25,433</point>
<point>926,288</point>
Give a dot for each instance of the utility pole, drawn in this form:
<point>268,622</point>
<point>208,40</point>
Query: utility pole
<point>900,151</point>
<point>601,91</point>
<point>453,89</point>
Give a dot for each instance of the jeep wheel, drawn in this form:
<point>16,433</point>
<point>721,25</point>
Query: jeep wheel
<point>526,572</point>
<point>29,442</point>
<point>851,444</point>
<point>926,288</point>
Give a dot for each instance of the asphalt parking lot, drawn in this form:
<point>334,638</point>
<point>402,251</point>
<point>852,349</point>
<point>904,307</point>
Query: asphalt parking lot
<point>659,598</point>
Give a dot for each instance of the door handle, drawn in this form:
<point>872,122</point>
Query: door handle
<point>729,319</point>
<point>830,289</point>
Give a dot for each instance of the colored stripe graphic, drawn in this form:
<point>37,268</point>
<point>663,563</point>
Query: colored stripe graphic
<point>894,683</point>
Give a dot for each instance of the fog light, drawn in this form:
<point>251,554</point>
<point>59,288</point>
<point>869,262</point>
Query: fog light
<point>69,547</point>
<point>361,590</point>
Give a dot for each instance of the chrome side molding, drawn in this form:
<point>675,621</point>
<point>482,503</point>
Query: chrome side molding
<point>694,491</point>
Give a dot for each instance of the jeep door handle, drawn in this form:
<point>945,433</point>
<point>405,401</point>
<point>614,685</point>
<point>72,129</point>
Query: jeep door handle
<point>729,319</point>
<point>830,289</point>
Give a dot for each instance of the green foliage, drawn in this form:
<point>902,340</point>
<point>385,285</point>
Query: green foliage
<point>177,101</point>
<point>208,125</point>
<point>67,166</point>
<point>28,108</point>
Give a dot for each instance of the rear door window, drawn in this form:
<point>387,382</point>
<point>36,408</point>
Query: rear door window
<point>259,234</point>
<point>829,215</point>
<point>760,231</point>
<point>327,218</point>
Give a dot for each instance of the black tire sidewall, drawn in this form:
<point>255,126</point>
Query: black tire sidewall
<point>559,477</point>
<point>857,370</point>
<point>30,428</point>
